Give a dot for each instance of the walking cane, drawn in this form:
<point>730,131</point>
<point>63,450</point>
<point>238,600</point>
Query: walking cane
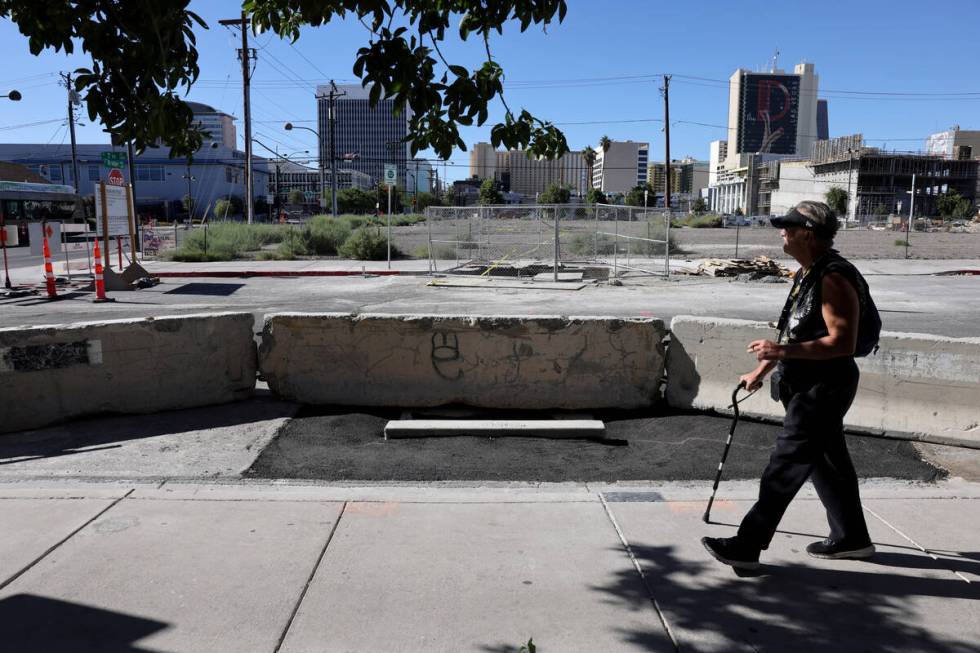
<point>728,445</point>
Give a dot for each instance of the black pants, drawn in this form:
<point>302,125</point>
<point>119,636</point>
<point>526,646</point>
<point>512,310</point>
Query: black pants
<point>816,397</point>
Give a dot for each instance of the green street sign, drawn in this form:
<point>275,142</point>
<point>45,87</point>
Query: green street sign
<point>391,174</point>
<point>114,160</point>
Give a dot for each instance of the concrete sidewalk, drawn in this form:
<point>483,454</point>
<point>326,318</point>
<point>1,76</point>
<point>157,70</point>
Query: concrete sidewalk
<point>445,567</point>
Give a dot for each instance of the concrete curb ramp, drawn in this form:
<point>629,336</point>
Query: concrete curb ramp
<point>51,373</point>
<point>918,384</point>
<point>495,362</point>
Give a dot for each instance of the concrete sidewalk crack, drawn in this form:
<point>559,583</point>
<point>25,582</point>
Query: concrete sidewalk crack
<point>57,544</point>
<point>309,580</point>
<point>639,570</point>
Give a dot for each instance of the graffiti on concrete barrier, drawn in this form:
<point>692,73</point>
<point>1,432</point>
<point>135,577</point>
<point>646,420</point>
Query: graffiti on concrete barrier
<point>445,355</point>
<point>520,351</point>
<point>33,358</point>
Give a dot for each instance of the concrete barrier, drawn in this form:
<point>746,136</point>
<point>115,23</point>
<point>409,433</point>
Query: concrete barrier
<point>496,362</point>
<point>50,373</point>
<point>919,385</point>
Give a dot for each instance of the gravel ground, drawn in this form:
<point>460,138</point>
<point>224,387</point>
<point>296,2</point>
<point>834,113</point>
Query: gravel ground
<point>508,237</point>
<point>855,244</point>
<point>347,445</point>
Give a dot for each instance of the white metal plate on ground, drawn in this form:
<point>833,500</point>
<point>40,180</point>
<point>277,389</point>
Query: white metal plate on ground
<point>569,428</point>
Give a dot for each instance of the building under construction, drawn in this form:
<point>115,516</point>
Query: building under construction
<point>877,183</point>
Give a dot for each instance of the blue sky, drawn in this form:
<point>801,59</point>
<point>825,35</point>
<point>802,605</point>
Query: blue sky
<point>858,48</point>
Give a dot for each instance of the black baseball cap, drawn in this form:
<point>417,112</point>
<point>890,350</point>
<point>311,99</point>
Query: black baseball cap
<point>796,219</point>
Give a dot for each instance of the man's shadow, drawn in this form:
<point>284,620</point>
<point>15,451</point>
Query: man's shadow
<point>38,623</point>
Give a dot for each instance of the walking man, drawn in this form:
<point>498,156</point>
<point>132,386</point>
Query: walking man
<point>815,378</point>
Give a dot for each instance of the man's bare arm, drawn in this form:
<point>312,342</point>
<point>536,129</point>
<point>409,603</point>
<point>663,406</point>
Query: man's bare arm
<point>841,310</point>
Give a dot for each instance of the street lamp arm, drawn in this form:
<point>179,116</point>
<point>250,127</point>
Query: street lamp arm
<point>290,126</point>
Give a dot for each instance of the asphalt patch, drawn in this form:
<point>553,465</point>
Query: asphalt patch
<point>348,445</point>
<point>214,289</point>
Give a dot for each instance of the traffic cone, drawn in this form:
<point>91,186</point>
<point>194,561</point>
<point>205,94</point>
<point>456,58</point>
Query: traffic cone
<point>48,270</point>
<point>99,281</point>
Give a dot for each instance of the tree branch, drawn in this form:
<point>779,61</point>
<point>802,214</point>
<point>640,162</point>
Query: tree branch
<point>486,46</point>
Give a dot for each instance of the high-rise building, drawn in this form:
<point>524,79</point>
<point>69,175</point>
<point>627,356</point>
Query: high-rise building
<point>823,121</point>
<point>218,126</point>
<point>687,175</point>
<point>365,138</point>
<point>621,167</point>
<point>528,176</point>
<point>419,178</point>
<point>719,152</point>
<point>483,161</point>
<point>771,113</point>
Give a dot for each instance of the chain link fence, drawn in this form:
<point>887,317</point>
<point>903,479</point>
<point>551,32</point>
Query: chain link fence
<point>156,240</point>
<point>502,239</point>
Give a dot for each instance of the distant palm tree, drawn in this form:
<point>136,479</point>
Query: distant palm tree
<point>588,155</point>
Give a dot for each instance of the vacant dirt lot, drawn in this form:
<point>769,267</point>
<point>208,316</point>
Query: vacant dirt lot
<point>530,239</point>
<point>855,243</point>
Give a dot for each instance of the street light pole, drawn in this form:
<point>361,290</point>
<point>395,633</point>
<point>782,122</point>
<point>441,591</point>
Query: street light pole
<point>289,127</point>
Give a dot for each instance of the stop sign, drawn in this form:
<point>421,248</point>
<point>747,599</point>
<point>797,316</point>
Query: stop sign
<point>116,177</point>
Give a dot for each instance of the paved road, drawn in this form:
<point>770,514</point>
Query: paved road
<point>909,295</point>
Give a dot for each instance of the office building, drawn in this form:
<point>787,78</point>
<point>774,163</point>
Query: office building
<point>368,136</point>
<point>218,126</point>
<point>420,177</point>
<point>687,176</point>
<point>823,121</point>
<point>517,172</point>
<point>530,175</point>
<point>483,161</point>
<point>620,168</point>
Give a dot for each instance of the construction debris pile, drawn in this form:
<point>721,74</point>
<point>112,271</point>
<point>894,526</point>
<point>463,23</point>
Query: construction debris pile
<point>759,267</point>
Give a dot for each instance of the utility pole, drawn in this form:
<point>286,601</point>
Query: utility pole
<point>415,198</point>
<point>908,225</point>
<point>331,119</point>
<point>72,98</point>
<point>190,198</point>
<point>246,55</point>
<point>850,162</point>
<point>666,92</point>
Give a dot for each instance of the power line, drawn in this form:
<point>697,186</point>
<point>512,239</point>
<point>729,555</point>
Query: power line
<point>31,124</point>
<point>313,65</point>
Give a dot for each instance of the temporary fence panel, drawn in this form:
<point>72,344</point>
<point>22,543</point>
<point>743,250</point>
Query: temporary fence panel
<point>632,239</point>
<point>546,236</point>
